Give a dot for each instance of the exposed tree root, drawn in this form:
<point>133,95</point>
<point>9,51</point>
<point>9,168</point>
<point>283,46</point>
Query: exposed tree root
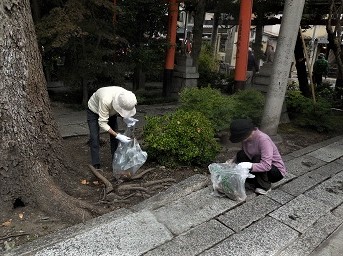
<point>141,174</point>
<point>142,189</point>
<point>108,185</point>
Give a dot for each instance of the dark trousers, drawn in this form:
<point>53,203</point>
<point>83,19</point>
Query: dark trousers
<point>94,135</point>
<point>262,180</point>
<point>318,79</point>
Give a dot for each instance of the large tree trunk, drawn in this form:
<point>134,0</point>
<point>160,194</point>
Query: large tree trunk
<point>335,39</point>
<point>282,63</point>
<point>30,146</point>
<point>300,64</point>
<point>257,46</point>
<point>199,17</point>
<point>214,35</point>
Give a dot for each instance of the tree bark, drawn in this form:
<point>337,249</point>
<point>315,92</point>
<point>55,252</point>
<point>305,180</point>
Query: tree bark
<point>282,63</point>
<point>300,64</point>
<point>215,33</point>
<point>199,17</point>
<point>30,146</point>
<point>335,39</point>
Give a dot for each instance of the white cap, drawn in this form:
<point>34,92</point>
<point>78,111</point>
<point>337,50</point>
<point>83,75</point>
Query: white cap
<point>125,104</point>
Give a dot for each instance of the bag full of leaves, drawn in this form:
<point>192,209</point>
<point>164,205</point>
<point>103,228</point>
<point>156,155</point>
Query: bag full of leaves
<point>229,179</point>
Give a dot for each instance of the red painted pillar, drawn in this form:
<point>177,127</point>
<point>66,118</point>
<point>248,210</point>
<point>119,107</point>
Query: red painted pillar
<point>243,43</point>
<point>173,10</point>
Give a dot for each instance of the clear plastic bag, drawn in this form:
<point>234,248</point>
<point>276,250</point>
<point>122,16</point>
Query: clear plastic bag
<point>229,179</point>
<point>128,158</point>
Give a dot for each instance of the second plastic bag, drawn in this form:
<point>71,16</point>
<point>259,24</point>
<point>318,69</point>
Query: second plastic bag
<point>128,158</point>
<point>229,179</point>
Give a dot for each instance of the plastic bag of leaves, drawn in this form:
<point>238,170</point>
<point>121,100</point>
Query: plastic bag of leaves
<point>229,179</point>
<point>128,158</point>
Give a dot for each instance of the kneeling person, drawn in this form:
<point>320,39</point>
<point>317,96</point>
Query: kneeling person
<point>259,154</point>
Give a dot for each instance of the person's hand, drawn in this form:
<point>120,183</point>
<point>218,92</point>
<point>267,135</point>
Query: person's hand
<point>246,165</point>
<point>122,138</point>
<point>130,121</point>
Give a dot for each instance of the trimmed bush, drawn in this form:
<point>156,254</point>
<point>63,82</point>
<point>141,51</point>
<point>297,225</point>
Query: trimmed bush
<point>180,138</point>
<point>220,109</point>
<point>217,107</point>
<point>249,104</point>
<point>305,113</point>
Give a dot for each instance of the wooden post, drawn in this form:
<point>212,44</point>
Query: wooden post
<point>243,43</point>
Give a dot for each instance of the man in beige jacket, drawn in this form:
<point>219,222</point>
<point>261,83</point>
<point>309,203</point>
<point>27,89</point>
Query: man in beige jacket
<point>104,106</point>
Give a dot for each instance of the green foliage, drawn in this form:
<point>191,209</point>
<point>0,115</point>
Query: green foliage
<point>182,137</point>
<point>79,44</point>
<point>306,113</point>
<point>220,108</point>
<point>208,72</point>
<point>325,91</point>
<point>217,107</point>
<point>141,22</point>
<point>249,104</point>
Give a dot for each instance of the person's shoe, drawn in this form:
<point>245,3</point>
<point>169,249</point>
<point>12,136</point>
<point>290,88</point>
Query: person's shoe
<point>261,191</point>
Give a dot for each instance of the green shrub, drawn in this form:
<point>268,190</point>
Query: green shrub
<point>306,113</point>
<point>209,75</point>
<point>182,137</point>
<point>249,104</point>
<point>217,107</point>
<point>220,108</point>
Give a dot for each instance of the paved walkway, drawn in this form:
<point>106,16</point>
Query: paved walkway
<point>296,218</point>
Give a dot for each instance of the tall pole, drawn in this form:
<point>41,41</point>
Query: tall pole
<point>243,43</point>
<point>282,63</point>
<point>173,10</point>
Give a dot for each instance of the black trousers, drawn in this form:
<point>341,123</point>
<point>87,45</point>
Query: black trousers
<point>94,133</point>
<point>262,180</point>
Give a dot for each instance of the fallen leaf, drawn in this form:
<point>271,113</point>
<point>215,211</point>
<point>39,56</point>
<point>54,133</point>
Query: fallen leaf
<point>84,182</point>
<point>7,223</point>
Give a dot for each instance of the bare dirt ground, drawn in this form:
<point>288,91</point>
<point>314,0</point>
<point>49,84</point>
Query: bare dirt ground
<point>25,223</point>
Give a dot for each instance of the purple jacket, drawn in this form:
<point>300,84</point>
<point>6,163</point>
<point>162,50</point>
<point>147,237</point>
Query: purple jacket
<point>261,144</point>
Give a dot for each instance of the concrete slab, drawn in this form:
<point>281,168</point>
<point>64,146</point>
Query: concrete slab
<point>265,237</point>
<point>300,213</point>
<point>289,176</point>
<point>304,182</point>
<point>131,235</point>
<point>249,212</point>
<point>314,147</point>
<point>338,211</point>
<point>299,166</point>
<point>67,233</point>
<point>194,241</point>
<point>313,236</point>
<point>330,192</point>
<point>280,196</point>
<point>192,210</point>
<point>330,152</point>
<point>332,246</point>
<point>177,191</point>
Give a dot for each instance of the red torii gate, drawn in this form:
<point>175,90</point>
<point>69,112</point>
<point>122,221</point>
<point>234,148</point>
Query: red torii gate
<point>242,43</point>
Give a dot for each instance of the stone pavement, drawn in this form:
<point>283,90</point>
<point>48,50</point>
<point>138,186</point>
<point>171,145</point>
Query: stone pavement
<point>302,215</point>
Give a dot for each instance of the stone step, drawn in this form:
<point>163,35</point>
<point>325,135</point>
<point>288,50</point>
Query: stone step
<point>119,232</point>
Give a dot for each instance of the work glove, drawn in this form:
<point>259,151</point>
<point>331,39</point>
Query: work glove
<point>246,165</point>
<point>130,121</point>
<point>122,138</point>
